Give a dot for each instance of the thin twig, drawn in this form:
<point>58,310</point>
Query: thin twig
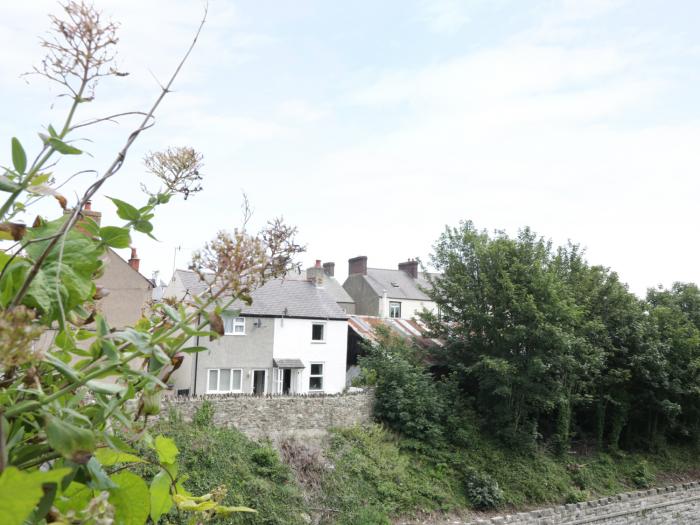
<point>110,118</point>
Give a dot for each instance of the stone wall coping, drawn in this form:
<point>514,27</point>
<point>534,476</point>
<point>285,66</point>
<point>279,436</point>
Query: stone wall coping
<point>576,513</point>
<point>248,395</point>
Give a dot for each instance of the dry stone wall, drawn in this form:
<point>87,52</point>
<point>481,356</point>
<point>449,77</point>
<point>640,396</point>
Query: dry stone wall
<point>677,505</point>
<point>281,416</point>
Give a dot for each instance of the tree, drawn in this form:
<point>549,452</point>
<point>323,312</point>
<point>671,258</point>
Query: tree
<point>506,318</point>
<point>71,410</point>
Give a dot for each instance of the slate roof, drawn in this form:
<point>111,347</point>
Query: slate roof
<point>279,298</point>
<point>287,363</point>
<point>191,282</point>
<point>397,283</point>
<point>332,286</point>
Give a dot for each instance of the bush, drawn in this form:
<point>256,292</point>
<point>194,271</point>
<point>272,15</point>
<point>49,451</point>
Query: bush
<point>407,398</point>
<point>643,475</point>
<point>204,415</point>
<point>482,490</point>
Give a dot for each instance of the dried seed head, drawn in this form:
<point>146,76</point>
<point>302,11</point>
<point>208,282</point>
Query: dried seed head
<point>80,49</point>
<point>18,333</point>
<point>178,168</point>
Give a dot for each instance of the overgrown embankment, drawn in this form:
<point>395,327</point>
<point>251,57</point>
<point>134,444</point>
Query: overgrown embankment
<point>370,476</point>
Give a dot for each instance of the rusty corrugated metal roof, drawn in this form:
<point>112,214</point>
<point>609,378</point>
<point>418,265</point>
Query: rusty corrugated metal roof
<point>413,329</point>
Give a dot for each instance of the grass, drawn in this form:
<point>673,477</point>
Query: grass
<point>366,475</point>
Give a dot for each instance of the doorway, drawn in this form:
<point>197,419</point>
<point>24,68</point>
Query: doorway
<point>286,380</point>
<point>259,381</point>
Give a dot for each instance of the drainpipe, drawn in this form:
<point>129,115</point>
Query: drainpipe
<point>196,357</point>
<point>385,304</point>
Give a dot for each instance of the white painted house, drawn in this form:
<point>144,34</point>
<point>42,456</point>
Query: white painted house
<point>291,340</point>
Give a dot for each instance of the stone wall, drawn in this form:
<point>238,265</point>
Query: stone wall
<point>677,504</point>
<point>281,416</point>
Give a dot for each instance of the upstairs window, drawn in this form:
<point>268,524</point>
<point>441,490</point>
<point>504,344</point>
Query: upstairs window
<point>395,309</point>
<point>318,332</point>
<point>234,325</point>
<point>316,377</point>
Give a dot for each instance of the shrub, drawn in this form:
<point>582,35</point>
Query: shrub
<point>407,398</point>
<point>204,415</point>
<point>643,475</point>
<point>482,490</point>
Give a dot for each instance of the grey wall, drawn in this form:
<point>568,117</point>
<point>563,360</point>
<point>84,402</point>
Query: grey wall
<point>366,299</point>
<point>250,351</point>
<point>677,504</point>
<point>281,416</point>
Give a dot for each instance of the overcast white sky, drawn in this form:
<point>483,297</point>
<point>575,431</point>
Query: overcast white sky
<point>372,125</point>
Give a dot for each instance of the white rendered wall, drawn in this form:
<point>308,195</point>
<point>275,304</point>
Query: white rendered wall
<point>409,308</point>
<point>292,340</point>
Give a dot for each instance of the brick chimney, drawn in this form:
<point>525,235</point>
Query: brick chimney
<point>86,212</point>
<point>410,267</point>
<point>357,265</point>
<point>134,260</point>
<point>329,268</point>
<point>315,274</point>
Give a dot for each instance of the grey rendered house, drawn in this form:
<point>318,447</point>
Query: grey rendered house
<point>291,340</point>
<point>380,292</point>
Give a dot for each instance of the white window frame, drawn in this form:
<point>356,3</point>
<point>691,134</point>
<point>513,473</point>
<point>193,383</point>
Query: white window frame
<point>230,390</point>
<point>252,380</point>
<point>323,333</point>
<point>323,368</point>
<point>393,303</point>
<point>236,322</point>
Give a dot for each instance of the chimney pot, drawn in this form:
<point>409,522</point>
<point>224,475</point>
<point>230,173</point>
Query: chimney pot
<point>88,206</point>
<point>357,265</point>
<point>318,263</point>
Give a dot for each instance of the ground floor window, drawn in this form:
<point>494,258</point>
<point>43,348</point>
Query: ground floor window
<point>316,377</point>
<point>223,380</point>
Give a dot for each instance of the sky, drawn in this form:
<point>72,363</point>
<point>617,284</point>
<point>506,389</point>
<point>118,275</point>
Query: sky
<point>371,126</point>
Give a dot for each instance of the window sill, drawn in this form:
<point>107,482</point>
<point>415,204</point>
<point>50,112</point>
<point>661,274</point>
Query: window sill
<point>318,342</point>
<point>232,333</point>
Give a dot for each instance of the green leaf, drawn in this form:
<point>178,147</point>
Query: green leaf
<point>194,349</point>
<point>125,210</point>
<point>161,500</point>
<point>62,147</point>
<point>98,476</point>
<point>52,131</point>
<point>131,499</point>
<point>19,157</point>
<point>109,457</point>
<point>166,449</point>
<point>115,237</point>
<point>20,492</point>
<point>143,226</point>
<point>75,497</point>
<point>68,439</point>
<point>7,185</point>
<point>102,387</point>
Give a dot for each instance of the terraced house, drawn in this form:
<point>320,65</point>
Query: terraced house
<point>381,292</point>
<point>291,340</point>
